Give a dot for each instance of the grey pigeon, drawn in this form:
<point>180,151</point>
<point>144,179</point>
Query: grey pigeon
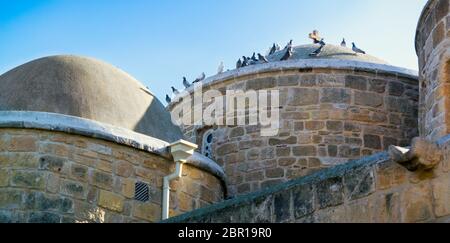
<point>175,91</point>
<point>317,52</point>
<point>287,55</point>
<point>239,64</point>
<point>273,49</point>
<point>254,57</point>
<point>343,43</point>
<point>168,99</point>
<point>199,79</point>
<point>186,83</point>
<point>245,62</point>
<point>289,44</point>
<point>278,47</point>
<point>262,58</point>
<point>357,50</point>
<point>220,68</point>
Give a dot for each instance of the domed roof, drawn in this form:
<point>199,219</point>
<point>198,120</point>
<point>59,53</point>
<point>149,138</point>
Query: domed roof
<point>86,88</point>
<point>328,52</point>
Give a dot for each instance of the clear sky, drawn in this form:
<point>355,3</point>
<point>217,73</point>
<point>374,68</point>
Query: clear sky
<point>160,41</point>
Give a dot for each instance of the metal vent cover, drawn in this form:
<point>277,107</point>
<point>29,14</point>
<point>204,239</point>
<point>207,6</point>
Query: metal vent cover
<point>141,192</point>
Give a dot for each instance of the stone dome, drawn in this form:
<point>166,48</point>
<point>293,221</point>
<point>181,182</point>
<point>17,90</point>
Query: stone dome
<point>86,88</point>
<point>328,52</point>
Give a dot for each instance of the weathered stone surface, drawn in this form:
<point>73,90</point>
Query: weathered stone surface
<point>73,189</point>
<point>102,180</point>
<point>28,179</point>
<point>396,89</point>
<point>51,163</point>
<point>282,206</point>
<point>111,201</point>
<point>275,173</point>
<point>335,95</point>
<point>377,85</point>
<point>44,217</point>
<point>304,151</point>
<point>227,149</point>
<point>356,82</point>
<point>79,172</point>
<point>4,178</point>
<point>303,198</point>
<point>372,141</point>
<point>330,192</point>
<point>261,83</point>
<point>275,141</point>
<point>416,203</point>
<point>10,199</point>
<point>335,126</point>
<point>359,183</point>
<point>368,99</point>
<point>314,125</point>
<point>302,97</point>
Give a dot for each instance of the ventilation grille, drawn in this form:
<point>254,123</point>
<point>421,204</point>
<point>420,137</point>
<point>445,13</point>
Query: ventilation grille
<point>141,192</point>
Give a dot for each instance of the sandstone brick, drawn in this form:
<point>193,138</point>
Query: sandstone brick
<point>124,169</point>
<point>286,161</point>
<point>416,203</point>
<point>291,80</point>
<point>332,150</point>
<point>111,201</point>
<point>74,189</point>
<point>128,187</point>
<point>79,172</point>
<point>314,125</point>
<point>377,85</point>
<point>52,163</point>
<point>368,99</point>
<point>439,34</point>
<point>20,160</point>
<point>102,180</point>
<point>335,95</point>
<point>261,83</point>
<point>359,183</point>
<point>299,116</point>
<point>396,89</point>
<point>53,183</point>
<point>287,141</point>
<point>227,149</point>
<point>28,179</point>
<point>275,173</point>
<point>302,97</point>
<point>299,126</point>
<point>237,132</point>
<point>372,141</point>
<point>335,126</point>
<point>254,176</point>
<point>356,82</point>
<point>304,151</point>
<point>387,209</point>
<point>441,196</point>
<point>44,217</point>
<point>4,178</point>
<point>23,144</point>
<point>283,151</point>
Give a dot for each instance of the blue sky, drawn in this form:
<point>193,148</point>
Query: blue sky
<point>160,41</point>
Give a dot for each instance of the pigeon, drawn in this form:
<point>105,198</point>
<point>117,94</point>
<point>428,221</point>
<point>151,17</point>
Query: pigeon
<point>199,79</point>
<point>220,68</point>
<point>343,43</point>
<point>317,52</point>
<point>357,50</point>
<point>245,62</point>
<point>315,37</point>
<point>168,99</point>
<point>186,83</point>
<point>239,64</point>
<point>287,55</point>
<point>262,58</point>
<point>254,57</point>
<point>175,91</point>
<point>278,47</point>
<point>273,49</point>
<point>289,44</point>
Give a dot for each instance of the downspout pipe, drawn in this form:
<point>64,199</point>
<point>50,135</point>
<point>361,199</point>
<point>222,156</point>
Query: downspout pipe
<point>181,151</point>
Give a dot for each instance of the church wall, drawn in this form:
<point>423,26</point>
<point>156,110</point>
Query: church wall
<point>433,49</point>
<point>328,116</point>
<point>372,190</point>
<point>57,177</point>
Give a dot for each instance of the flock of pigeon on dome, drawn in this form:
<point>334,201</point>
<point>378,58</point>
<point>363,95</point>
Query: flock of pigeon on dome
<point>260,59</point>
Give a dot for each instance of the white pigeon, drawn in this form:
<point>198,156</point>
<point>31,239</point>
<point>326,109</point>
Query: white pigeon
<point>220,68</point>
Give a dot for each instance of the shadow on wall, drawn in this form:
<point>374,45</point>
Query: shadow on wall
<point>165,130</point>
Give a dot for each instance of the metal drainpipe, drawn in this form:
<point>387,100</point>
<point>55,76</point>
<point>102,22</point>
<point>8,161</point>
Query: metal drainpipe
<point>181,151</point>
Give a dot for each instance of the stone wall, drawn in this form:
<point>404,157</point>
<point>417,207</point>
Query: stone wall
<point>328,116</point>
<point>58,177</point>
<point>372,190</point>
<point>433,49</point>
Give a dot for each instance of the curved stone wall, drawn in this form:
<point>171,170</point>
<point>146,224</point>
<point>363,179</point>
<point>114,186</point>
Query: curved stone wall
<point>433,49</point>
<point>48,176</point>
<point>328,116</point>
